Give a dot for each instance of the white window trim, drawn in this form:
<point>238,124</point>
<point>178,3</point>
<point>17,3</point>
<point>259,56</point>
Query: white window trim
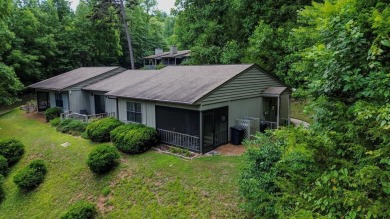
<point>129,121</point>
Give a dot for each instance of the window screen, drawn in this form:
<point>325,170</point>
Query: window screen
<point>134,112</point>
<point>177,120</point>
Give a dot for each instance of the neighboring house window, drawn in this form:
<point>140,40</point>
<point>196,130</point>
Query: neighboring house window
<point>134,112</point>
<point>59,100</point>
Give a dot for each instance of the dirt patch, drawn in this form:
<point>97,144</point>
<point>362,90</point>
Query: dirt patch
<point>231,150</point>
<point>37,116</point>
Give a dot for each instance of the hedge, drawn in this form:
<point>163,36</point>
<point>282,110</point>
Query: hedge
<point>99,130</point>
<point>134,138</point>
<point>103,158</point>
<point>31,176</point>
<point>3,165</point>
<point>81,210</point>
<point>52,113</point>
<point>72,126</point>
<point>12,150</point>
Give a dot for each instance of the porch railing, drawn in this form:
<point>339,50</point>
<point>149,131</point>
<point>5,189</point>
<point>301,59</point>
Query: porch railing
<point>85,118</point>
<point>273,125</point>
<point>189,142</point>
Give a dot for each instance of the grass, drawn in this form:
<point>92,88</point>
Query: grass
<point>150,185</point>
<point>297,110</point>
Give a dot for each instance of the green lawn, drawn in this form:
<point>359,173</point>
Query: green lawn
<point>150,185</point>
<point>297,110</point>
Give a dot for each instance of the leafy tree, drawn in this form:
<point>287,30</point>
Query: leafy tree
<point>345,68</point>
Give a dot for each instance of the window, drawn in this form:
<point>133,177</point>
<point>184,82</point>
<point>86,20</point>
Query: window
<point>134,112</point>
<point>59,101</point>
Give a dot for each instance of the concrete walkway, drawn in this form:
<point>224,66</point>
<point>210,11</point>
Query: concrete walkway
<point>298,122</point>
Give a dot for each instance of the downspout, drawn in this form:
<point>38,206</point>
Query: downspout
<point>278,113</point>
<point>117,109</point>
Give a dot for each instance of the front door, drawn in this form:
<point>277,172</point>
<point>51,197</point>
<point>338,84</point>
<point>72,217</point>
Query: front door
<point>43,101</point>
<point>100,104</point>
<point>208,131</point>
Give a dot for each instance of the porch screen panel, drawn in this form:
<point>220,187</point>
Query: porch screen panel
<point>178,120</point>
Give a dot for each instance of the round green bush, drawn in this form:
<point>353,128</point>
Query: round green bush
<point>103,158</point>
<point>3,165</point>
<point>31,176</point>
<point>12,150</point>
<point>81,210</point>
<point>55,122</point>
<point>134,138</point>
<point>52,113</point>
<point>99,130</point>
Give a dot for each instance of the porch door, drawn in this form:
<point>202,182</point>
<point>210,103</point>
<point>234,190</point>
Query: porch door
<point>208,131</point>
<point>100,104</point>
<point>270,108</point>
<point>43,101</point>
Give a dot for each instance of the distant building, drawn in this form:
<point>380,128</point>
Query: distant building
<point>173,57</point>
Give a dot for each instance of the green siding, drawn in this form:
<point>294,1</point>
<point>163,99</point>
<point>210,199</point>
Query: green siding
<point>250,84</point>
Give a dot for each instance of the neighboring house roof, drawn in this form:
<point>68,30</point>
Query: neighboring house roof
<point>122,79</point>
<point>180,84</point>
<point>71,78</point>
<point>275,90</point>
<point>179,54</point>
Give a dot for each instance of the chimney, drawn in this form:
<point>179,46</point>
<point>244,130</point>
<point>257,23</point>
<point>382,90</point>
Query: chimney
<point>173,49</point>
<point>158,51</point>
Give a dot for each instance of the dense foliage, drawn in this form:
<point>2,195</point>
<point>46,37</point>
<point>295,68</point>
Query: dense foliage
<point>340,167</point>
<point>52,113</point>
<point>64,39</point>
<point>81,210</point>
<point>71,126</point>
<point>134,138</point>
<point>99,130</point>
<point>31,176</point>
<point>103,158</point>
<point>12,150</point>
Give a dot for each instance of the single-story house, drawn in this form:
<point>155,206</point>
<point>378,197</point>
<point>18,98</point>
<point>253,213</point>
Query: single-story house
<point>65,90</point>
<point>194,106</point>
<point>190,106</point>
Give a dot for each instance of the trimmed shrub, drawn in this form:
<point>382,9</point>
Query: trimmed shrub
<point>81,210</point>
<point>103,158</point>
<point>99,130</point>
<point>55,122</point>
<point>52,113</point>
<point>3,165</point>
<point>72,126</point>
<point>12,150</point>
<point>134,138</point>
<point>31,176</point>
<point>2,193</point>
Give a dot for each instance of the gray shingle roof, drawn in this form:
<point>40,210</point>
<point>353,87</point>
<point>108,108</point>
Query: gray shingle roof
<point>274,90</point>
<point>122,80</point>
<point>71,78</point>
<point>180,84</point>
